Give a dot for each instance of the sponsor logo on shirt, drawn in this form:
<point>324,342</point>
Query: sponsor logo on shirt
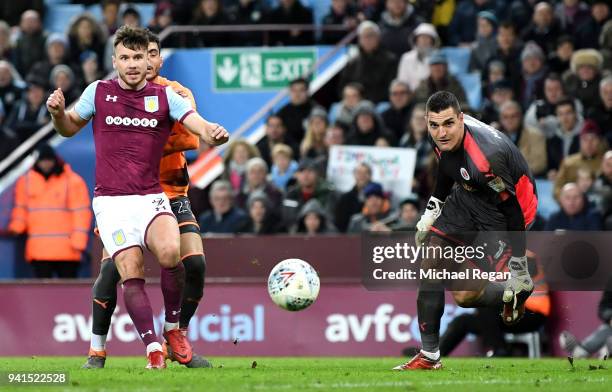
<point>497,184</point>
<point>127,121</point>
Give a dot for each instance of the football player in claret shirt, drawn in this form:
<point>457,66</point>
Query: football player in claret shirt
<point>174,181</point>
<point>483,185</point>
<point>132,119</point>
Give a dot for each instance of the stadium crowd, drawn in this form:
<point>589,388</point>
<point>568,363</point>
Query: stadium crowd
<point>545,76</point>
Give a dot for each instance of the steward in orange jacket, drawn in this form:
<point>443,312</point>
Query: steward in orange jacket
<point>52,206</point>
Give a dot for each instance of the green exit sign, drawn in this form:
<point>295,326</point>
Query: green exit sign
<point>260,69</point>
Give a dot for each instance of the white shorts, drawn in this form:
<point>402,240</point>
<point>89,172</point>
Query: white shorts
<point>123,220</point>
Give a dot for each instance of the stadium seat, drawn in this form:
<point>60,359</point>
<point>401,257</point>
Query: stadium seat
<point>530,339</point>
<point>146,11</point>
<point>458,59</point>
<point>96,11</point>
<point>382,106</point>
<point>472,85</point>
<point>546,201</point>
<point>53,2</point>
<point>59,16</point>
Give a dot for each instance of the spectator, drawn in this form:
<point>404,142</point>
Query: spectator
<point>255,181</point>
<point>6,49</point>
<point>602,113</point>
<point>90,69</point>
<point>508,52</point>
<point>210,13</point>
<point>574,213</point>
<point>376,209</point>
<point>405,221</point>
<point>416,137</point>
<point>584,181</point>
<point>544,28</point>
<point>397,115</point>
<point>309,186</point>
<point>369,9</point>
<point>602,189</point>
<point>559,60</point>
<point>530,141</point>
<point>371,57</point>
<point>341,12</point>
<point>367,127</point>
<point>462,29</point>
<point>30,46</point>
<point>352,95</point>
<point>334,136</point>
<point>439,79</point>
<point>396,24</point>
<point>162,19</point>
<point>63,77</point>
<point>225,217</point>
<point>129,17</point>
<point>589,156</point>
<point>291,12</point>
<point>313,220</point>
<point>587,34</point>
<point>260,220</point>
<point>566,138</point>
<point>57,53</point>
<point>110,17</point>
<point>533,75</point>
<point>495,71</point>
<point>583,80</point>
<point>297,110</point>
<point>313,145</point>
<point>351,202</point>
<point>85,34</point>
<point>501,92</point>
<point>52,209</point>
<point>486,41</point>
<point>542,112</point>
<point>11,91</point>
<point>414,65</point>
<point>235,160</point>
<point>571,14</point>
<point>29,113</point>
<point>275,134</point>
<point>284,166</point>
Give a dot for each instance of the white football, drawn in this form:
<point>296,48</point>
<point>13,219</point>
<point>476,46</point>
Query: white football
<point>293,284</point>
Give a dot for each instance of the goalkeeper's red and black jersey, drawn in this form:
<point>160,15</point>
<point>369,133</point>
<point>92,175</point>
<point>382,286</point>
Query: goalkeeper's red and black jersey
<point>491,167</point>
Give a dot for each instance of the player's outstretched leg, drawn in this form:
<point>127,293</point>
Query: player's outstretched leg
<point>517,289</point>
<point>131,267</point>
<point>163,241</point>
<point>104,302</point>
<point>430,307</point>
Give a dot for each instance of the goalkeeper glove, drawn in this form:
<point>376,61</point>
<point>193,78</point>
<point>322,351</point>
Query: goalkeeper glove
<point>432,212</point>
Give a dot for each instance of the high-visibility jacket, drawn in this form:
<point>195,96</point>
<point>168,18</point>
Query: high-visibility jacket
<point>55,214</point>
<point>173,175</point>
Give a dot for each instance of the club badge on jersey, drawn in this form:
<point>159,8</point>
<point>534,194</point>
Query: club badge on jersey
<point>151,104</point>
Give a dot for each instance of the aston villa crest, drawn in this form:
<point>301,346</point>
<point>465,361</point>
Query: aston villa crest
<point>151,104</point>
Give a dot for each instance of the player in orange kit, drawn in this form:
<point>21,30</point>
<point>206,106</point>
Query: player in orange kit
<point>174,180</point>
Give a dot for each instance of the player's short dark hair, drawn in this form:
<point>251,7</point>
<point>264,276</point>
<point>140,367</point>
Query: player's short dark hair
<point>153,38</point>
<point>133,38</point>
<point>442,100</point>
<point>566,101</point>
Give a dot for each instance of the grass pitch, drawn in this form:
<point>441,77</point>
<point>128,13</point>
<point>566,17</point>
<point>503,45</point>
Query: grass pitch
<point>318,374</point>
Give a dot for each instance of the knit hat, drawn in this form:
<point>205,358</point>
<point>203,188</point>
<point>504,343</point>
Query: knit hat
<point>586,57</point>
<point>427,29</point>
<point>532,50</point>
<point>437,57</point>
<point>318,111</point>
<point>590,127</point>
<point>45,151</point>
<point>56,37</point>
<point>373,189</point>
<point>490,16</point>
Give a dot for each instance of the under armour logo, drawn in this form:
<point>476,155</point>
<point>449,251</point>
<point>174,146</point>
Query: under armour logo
<point>175,312</point>
<point>149,332</point>
<point>111,98</point>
